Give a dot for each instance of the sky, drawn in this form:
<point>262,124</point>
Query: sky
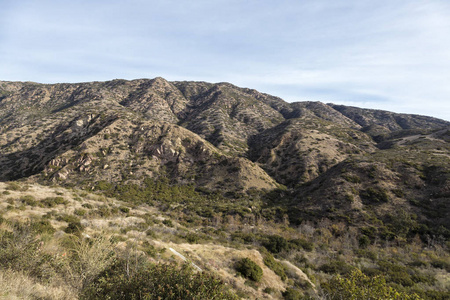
<point>385,54</point>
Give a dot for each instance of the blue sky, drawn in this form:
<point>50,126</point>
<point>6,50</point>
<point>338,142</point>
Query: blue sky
<point>385,54</point>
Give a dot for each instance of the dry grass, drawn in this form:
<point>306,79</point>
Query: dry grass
<point>220,260</point>
<point>295,272</point>
<point>17,285</point>
<point>130,230</point>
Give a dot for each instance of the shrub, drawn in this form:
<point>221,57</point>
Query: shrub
<point>292,294</point>
<point>336,266</point>
<point>53,201</point>
<point>14,186</point>
<point>103,211</point>
<point>275,243</point>
<point>351,178</point>
<point>124,209</point>
<point>243,237</point>
<point>364,241</point>
<point>20,251</point>
<point>80,212</point>
<point>301,243</point>
<point>87,259</point>
<point>68,218</point>
<point>397,273</point>
<point>104,186</point>
<point>168,223</point>
<point>441,264</point>
<point>398,192</point>
<point>359,286</point>
<point>155,281</point>
<point>42,226</point>
<point>303,261</point>
<point>192,238</point>
<point>374,196</point>
<point>74,227</point>
<point>149,249</point>
<point>402,223</point>
<point>28,200</point>
<point>275,266</point>
<point>249,269</point>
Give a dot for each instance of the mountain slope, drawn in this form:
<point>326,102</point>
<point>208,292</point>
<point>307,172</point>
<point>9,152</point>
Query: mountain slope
<point>306,190</point>
<point>227,139</point>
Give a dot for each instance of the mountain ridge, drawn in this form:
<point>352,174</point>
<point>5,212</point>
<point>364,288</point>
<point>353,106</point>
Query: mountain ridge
<point>215,136</point>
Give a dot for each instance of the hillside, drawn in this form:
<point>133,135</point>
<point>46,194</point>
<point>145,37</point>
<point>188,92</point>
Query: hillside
<point>240,161</point>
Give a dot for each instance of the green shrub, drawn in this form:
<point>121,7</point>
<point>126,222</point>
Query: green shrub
<point>398,192</point>
<point>28,200</point>
<point>269,290</point>
<point>441,264</point>
<point>402,223</point>
<point>364,241</point>
<point>249,269</point>
<point>292,294</point>
<point>397,273</point>
<point>359,286</point>
<point>155,281</point>
<point>74,228</point>
<point>336,267</point>
<point>351,178</point>
<point>167,222</point>
<point>275,243</point>
<point>374,196</point>
<point>103,211</point>
<point>275,266</point>
<point>14,186</point>
<point>301,243</point>
<point>303,261</point>
<point>149,249</point>
<point>80,212</point>
<point>42,226</point>
<point>104,186</point>
<point>53,201</point>
<point>124,209</point>
<point>68,218</point>
<point>192,238</point>
<point>243,237</point>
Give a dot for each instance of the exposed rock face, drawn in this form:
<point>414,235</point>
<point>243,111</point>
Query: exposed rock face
<point>218,136</point>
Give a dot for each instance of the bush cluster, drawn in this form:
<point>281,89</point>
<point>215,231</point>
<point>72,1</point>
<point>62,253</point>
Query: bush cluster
<point>155,281</point>
<point>276,244</point>
<point>249,269</point>
<point>275,266</point>
<point>374,196</point>
<point>356,285</point>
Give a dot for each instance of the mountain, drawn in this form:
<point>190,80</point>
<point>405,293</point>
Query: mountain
<point>238,152</point>
<point>223,138</point>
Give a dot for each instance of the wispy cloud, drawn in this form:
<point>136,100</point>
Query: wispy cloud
<point>392,55</point>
